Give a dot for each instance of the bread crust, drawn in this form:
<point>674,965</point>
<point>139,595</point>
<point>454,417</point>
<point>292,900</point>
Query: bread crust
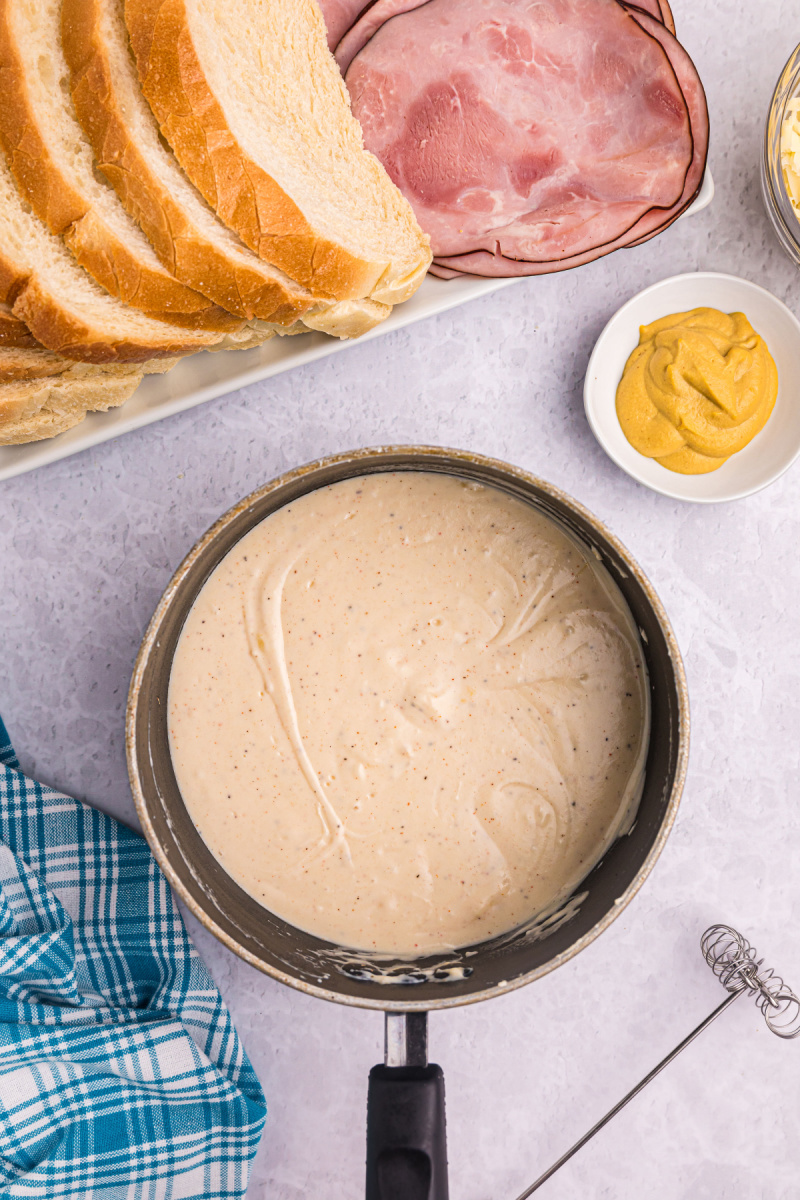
<point>66,211</point>
<point>13,332</point>
<point>65,332</point>
<point>24,362</point>
<point>248,291</point>
<point>54,326</point>
<point>246,198</point>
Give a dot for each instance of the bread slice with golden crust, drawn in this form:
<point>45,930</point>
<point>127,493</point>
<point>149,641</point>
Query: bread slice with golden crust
<point>53,163</point>
<point>253,105</point>
<point>63,308</point>
<point>185,233</point>
<point>14,332</point>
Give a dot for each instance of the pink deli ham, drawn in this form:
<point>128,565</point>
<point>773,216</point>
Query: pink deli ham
<point>695,96</point>
<point>659,9</point>
<point>370,21</point>
<point>339,16</point>
<point>377,13</point>
<point>654,221</point>
<point>530,131</point>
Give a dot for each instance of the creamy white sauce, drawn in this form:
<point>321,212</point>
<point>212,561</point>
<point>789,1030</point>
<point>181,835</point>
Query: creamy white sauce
<point>408,712</point>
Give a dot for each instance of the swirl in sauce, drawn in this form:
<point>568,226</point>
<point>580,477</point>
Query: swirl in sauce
<point>408,712</point>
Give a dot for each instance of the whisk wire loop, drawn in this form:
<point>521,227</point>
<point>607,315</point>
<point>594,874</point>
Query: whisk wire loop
<point>735,963</point>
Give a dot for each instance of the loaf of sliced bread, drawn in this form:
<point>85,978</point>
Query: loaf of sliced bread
<point>53,163</point>
<point>252,103</point>
<point>63,308</point>
<point>185,232</point>
<point>14,332</point>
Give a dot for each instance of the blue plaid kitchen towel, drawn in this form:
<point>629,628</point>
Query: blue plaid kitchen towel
<point>121,1074</point>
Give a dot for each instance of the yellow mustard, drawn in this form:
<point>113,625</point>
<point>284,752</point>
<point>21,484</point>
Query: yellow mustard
<point>698,387</point>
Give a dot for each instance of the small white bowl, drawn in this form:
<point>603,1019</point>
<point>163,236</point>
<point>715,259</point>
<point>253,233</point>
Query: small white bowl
<point>771,451</point>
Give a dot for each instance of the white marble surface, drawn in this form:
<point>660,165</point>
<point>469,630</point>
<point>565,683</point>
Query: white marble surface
<point>87,545</point>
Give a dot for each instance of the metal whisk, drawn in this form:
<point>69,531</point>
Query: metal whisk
<point>734,962</point>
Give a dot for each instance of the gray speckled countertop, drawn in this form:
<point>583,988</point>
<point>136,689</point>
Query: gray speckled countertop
<point>88,544</point>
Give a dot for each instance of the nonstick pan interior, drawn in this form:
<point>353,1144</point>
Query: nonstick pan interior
<point>334,973</point>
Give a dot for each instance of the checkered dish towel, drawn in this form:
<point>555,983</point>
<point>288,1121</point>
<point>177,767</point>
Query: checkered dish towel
<point>121,1074</point>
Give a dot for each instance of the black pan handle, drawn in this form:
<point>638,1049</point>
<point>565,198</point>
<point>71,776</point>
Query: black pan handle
<point>406,1134</point>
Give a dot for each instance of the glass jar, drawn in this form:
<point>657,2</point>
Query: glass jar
<point>780,210</point>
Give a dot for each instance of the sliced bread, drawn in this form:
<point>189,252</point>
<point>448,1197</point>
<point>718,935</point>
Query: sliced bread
<point>14,332</point>
<point>35,409</point>
<point>41,408</point>
<point>187,235</point>
<point>26,362</point>
<point>53,163</point>
<point>23,362</point>
<point>63,308</point>
<point>30,362</point>
<point>252,103</point>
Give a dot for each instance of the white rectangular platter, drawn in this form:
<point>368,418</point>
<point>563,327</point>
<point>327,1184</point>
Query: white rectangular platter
<point>205,376</point>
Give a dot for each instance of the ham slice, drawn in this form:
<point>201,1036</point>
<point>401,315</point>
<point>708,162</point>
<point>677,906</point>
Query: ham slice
<point>524,132</point>
<point>654,221</point>
<point>695,96</point>
<point>369,22</point>
<point>339,16</point>
<point>351,23</point>
<point>659,9</point>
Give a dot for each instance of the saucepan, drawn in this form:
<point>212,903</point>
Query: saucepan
<point>406,1154</point>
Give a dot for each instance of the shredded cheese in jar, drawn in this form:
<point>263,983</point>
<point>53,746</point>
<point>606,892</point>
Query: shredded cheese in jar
<point>790,152</point>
